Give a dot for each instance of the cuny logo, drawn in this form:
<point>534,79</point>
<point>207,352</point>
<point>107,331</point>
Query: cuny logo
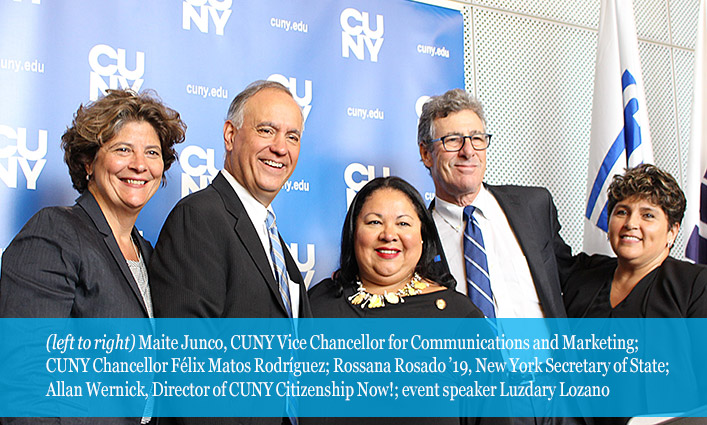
<point>17,152</point>
<point>199,168</point>
<point>306,267</point>
<point>106,61</point>
<point>359,35</point>
<point>369,172</point>
<point>418,110</point>
<point>198,11</point>
<point>291,84</point>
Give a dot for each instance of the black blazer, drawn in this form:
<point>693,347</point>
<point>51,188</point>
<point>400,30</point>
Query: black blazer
<point>675,289</point>
<point>532,216</point>
<point>65,262</point>
<point>209,261</point>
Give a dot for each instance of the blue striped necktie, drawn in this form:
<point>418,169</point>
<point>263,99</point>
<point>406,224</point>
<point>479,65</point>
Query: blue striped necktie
<point>477,268</point>
<point>278,260</point>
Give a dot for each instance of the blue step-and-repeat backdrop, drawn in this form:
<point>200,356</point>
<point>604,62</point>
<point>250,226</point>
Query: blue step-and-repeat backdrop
<point>359,68</point>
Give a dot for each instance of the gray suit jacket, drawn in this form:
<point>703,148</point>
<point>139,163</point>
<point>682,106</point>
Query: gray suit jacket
<point>64,263</point>
<point>532,216</point>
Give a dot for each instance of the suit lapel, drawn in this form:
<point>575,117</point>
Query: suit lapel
<point>145,247</point>
<point>520,219</point>
<point>91,207</point>
<point>245,230</point>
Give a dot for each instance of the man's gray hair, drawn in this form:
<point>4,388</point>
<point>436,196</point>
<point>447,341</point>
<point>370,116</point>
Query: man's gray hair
<point>235,111</point>
<point>454,100</point>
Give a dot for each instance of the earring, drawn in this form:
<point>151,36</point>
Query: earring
<point>88,177</point>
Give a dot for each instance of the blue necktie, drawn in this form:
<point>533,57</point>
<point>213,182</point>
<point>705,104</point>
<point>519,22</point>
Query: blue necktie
<point>477,268</point>
<point>278,260</point>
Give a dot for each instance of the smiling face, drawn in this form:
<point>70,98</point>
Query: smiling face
<point>263,153</point>
<point>457,175</point>
<point>127,170</point>
<point>387,240</point>
<point>639,233</point>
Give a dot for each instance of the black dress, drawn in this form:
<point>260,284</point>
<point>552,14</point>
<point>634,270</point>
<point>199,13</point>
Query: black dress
<point>328,301</point>
<point>675,289</point>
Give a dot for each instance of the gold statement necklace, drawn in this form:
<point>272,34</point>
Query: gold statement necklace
<point>365,299</point>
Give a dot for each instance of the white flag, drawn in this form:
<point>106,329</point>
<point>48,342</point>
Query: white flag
<point>620,136</point>
<point>695,226</point>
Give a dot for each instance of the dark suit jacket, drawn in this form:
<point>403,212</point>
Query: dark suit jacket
<point>532,216</point>
<point>65,262</point>
<point>209,261</point>
<point>675,289</point>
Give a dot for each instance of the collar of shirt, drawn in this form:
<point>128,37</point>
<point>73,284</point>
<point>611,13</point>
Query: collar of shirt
<point>454,214</point>
<point>256,211</point>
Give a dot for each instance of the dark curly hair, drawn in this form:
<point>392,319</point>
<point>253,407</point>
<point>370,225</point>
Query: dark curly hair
<point>649,182</point>
<point>99,121</point>
<point>348,271</point>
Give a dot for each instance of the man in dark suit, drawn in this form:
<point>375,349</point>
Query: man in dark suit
<point>514,229</point>
<point>218,254</point>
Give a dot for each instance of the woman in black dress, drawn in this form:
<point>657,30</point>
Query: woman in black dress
<point>388,245</point>
<point>387,254</point>
<point>645,209</point>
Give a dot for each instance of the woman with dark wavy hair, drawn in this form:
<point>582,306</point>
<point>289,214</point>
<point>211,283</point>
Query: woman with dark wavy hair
<point>645,209</point>
<point>89,260</point>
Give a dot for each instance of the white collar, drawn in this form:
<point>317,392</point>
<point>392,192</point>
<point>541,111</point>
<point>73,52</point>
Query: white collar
<point>256,211</point>
<point>452,213</point>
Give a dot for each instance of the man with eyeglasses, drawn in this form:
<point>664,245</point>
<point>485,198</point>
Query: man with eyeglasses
<point>501,243</point>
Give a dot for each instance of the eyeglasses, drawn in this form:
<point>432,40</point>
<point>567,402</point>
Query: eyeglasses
<point>455,142</point>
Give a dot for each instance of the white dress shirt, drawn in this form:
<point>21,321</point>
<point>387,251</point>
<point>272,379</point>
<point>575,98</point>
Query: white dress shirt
<point>257,213</point>
<point>514,293</point>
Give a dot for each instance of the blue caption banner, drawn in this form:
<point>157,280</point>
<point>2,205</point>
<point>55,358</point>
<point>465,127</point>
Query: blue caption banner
<point>351,367</point>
